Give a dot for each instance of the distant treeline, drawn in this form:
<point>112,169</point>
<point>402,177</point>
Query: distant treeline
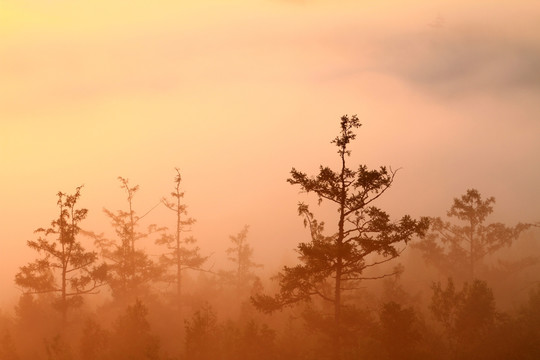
<point>347,296</point>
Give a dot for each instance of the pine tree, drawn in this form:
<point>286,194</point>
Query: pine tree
<point>241,254</point>
<point>335,263</point>
<point>130,269</point>
<point>132,338</point>
<point>65,268</point>
<point>182,253</point>
<point>458,250</point>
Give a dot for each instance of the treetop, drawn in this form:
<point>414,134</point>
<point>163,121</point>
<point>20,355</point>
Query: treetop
<point>346,134</point>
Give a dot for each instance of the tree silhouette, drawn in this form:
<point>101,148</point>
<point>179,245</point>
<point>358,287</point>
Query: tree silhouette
<point>528,334</point>
<point>182,253</point>
<point>129,269</point>
<point>332,264</point>
<point>58,348</point>
<point>65,267</point>
<point>201,335</point>
<point>460,249</point>
<point>400,334</point>
<point>34,322</point>
<point>241,255</point>
<point>132,338</point>
<point>469,317</point>
<point>95,342</point>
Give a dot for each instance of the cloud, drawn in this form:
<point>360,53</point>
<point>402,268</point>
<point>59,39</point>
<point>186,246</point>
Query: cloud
<point>462,62</point>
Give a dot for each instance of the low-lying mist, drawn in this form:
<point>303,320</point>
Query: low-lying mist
<point>361,282</point>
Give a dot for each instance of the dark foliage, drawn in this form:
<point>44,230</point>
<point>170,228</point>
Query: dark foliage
<point>334,263</point>
<point>65,268</point>
<point>458,250</point>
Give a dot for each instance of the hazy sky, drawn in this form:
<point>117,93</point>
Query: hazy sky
<point>235,93</point>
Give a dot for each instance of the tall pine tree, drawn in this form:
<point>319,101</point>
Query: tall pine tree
<point>334,263</point>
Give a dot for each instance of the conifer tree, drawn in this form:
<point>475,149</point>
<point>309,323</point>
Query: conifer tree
<point>132,338</point>
<point>241,253</point>
<point>334,263</point>
<point>130,269</point>
<point>458,249</point>
<point>65,267</point>
<point>182,253</point>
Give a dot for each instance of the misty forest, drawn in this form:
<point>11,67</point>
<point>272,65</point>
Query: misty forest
<point>362,284</point>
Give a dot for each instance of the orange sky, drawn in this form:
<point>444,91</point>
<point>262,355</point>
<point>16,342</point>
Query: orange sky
<point>235,93</point>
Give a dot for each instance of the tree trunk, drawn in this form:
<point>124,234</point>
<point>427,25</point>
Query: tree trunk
<point>471,252</point>
<point>337,314</point>
<point>339,263</point>
<point>63,305</point>
<point>178,254</point>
